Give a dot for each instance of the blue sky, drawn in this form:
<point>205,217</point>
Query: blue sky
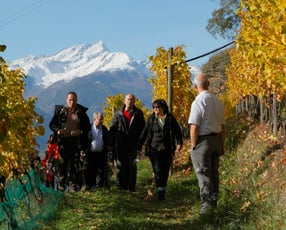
<point>135,27</point>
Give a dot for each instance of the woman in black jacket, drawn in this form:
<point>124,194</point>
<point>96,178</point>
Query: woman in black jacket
<point>163,138</point>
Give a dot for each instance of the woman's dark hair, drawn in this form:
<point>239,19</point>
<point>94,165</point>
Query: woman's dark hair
<point>162,103</point>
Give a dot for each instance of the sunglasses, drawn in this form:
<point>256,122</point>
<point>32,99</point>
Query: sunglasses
<point>156,107</point>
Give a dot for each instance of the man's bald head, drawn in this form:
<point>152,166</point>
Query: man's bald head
<point>201,81</point>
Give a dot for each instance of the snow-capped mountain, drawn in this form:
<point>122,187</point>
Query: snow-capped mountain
<point>76,61</point>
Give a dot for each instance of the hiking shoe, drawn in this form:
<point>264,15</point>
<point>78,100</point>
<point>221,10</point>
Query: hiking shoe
<point>93,188</point>
<point>132,190</point>
<point>72,188</point>
<point>207,208</point>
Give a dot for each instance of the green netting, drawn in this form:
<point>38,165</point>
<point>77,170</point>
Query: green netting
<point>28,202</point>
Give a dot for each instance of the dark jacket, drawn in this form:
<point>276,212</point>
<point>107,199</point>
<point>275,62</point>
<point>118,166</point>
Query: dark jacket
<point>59,119</point>
<point>158,139</point>
<point>124,137</point>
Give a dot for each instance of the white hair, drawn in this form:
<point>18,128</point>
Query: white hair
<point>202,82</point>
<point>96,114</point>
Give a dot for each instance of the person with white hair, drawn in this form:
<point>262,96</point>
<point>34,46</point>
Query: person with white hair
<point>97,156</point>
<point>207,133</point>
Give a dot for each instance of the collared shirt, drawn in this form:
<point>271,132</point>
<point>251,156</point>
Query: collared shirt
<point>207,112</point>
<point>97,139</point>
<point>161,120</point>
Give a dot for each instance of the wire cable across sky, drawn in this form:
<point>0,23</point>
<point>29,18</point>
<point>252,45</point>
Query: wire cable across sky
<point>208,53</point>
<point>11,18</point>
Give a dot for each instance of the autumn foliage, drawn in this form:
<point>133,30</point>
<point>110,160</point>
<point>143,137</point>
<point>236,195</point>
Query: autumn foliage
<point>182,92</point>
<point>18,124</point>
<point>258,61</point>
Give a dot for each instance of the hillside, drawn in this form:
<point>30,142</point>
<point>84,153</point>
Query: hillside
<point>260,172</point>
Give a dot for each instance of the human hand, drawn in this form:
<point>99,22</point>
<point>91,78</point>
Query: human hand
<point>135,161</point>
<point>178,148</point>
<point>82,153</point>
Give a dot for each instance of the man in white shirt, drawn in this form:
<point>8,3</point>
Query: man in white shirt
<point>97,156</point>
<point>207,133</point>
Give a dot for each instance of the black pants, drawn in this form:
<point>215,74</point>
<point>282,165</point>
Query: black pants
<point>68,167</point>
<point>161,162</point>
<point>96,169</point>
<point>126,170</point>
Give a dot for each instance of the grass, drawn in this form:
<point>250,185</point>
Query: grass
<point>252,194</point>
<point>114,209</point>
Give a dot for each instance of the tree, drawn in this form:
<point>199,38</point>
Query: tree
<point>215,70</point>
<point>182,93</point>
<point>258,61</point>
<point>225,22</point>
<point>19,123</point>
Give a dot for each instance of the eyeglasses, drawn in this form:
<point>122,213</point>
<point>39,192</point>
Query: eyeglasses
<point>156,107</point>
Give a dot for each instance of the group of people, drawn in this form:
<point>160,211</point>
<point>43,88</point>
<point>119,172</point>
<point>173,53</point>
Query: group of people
<point>84,147</point>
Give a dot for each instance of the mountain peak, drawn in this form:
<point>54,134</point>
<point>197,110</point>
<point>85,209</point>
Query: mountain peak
<point>82,50</point>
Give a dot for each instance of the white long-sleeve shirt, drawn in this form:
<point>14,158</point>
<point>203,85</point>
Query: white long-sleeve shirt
<point>97,139</point>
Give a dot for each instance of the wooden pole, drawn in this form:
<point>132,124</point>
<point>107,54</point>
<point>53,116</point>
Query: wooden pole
<point>169,90</point>
<point>169,80</point>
